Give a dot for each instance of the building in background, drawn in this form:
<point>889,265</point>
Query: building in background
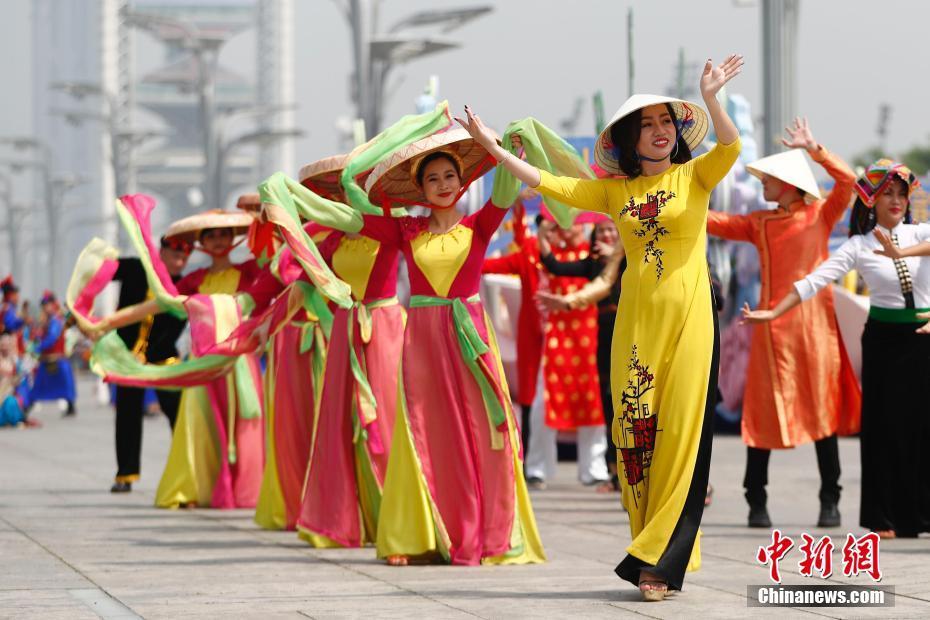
<point>93,103</point>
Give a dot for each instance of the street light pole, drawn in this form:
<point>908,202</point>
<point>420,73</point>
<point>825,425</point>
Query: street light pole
<point>11,224</point>
<point>261,136</point>
<point>204,49</point>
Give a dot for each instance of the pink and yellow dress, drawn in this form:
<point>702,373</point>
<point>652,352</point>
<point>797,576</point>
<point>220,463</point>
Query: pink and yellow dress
<point>454,483</point>
<point>295,361</point>
<point>349,458</point>
<point>217,451</point>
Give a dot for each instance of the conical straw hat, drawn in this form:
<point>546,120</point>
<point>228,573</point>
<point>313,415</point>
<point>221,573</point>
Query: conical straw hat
<point>322,176</point>
<point>790,167</point>
<point>394,179</point>
<point>250,203</point>
<point>189,228</point>
<point>691,117</point>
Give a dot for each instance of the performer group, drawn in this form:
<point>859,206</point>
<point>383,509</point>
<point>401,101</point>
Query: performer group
<point>315,397</point>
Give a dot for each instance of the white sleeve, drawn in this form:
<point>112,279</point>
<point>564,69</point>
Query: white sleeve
<point>841,262</point>
<point>923,233</point>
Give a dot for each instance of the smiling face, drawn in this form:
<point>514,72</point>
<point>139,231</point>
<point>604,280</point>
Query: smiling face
<point>217,241</point>
<point>441,182</point>
<point>891,204</point>
<point>656,132</point>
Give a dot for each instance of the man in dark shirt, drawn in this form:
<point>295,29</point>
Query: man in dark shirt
<point>154,340</point>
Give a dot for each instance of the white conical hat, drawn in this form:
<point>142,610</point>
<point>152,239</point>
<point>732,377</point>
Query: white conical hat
<point>790,167</point>
<point>692,117</point>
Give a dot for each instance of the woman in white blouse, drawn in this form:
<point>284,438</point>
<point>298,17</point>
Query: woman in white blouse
<point>895,500</point>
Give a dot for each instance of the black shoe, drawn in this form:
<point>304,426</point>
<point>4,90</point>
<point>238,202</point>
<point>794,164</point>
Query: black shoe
<point>535,484</point>
<point>829,515</point>
<point>70,411</point>
<point>759,517</point>
<point>121,487</point>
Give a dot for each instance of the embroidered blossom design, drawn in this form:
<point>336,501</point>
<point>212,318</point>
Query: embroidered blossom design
<point>648,214</point>
<point>636,420</point>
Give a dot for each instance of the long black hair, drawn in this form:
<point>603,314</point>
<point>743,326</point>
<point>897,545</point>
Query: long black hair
<point>863,219</point>
<point>625,135</point>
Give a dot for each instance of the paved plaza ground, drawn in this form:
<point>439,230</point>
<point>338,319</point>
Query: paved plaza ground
<point>69,549</point>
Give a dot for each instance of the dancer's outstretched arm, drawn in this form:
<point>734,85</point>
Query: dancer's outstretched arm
<point>890,250</point>
<point>125,316</point>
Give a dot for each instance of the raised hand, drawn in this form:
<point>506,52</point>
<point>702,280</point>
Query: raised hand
<point>482,134</point>
<point>889,249</point>
<point>756,316</point>
<point>714,78</point>
<point>799,136</point>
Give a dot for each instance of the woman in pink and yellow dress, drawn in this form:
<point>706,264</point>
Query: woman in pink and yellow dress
<point>453,488</point>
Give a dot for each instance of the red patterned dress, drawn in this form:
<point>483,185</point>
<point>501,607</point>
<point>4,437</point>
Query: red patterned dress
<point>572,394</point>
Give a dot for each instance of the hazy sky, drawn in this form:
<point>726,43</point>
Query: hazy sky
<point>535,57</point>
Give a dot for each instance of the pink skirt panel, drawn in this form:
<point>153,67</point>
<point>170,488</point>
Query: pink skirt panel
<point>470,484</point>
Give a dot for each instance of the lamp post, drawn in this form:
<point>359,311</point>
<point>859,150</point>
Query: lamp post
<point>204,48</point>
<point>261,137</point>
<point>15,216</point>
<point>375,56</point>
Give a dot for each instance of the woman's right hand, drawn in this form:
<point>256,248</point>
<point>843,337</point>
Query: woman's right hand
<point>889,249</point>
<point>756,316</point>
<point>482,134</point>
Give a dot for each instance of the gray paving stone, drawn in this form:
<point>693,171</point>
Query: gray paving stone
<point>69,549</point>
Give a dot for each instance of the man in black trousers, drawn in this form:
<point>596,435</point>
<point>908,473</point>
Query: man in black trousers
<point>154,340</point>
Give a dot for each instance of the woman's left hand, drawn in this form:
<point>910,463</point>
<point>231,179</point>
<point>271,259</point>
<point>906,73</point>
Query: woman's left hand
<point>551,301</point>
<point>800,136</point>
<point>714,78</point>
<point>602,249</point>
<point>925,329</point>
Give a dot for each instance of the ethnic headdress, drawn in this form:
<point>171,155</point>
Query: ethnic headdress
<point>8,287</point>
<point>394,180</point>
<point>48,297</point>
<point>877,177</point>
<point>691,121</point>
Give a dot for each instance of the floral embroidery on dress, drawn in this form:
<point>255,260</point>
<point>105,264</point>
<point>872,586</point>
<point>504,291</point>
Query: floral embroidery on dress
<point>648,214</point>
<point>637,421</point>
<point>410,227</point>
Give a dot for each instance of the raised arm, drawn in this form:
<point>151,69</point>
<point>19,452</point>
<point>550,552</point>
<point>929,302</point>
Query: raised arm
<point>588,194</point>
<point>800,136</point>
<point>486,137</point>
<point>712,166</point>
<point>712,80</point>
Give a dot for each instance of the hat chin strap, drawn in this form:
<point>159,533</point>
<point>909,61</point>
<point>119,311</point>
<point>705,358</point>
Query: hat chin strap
<point>222,254</point>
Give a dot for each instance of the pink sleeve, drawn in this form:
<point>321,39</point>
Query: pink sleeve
<point>265,288</point>
<point>189,284</point>
<point>487,219</point>
<point>382,228</point>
